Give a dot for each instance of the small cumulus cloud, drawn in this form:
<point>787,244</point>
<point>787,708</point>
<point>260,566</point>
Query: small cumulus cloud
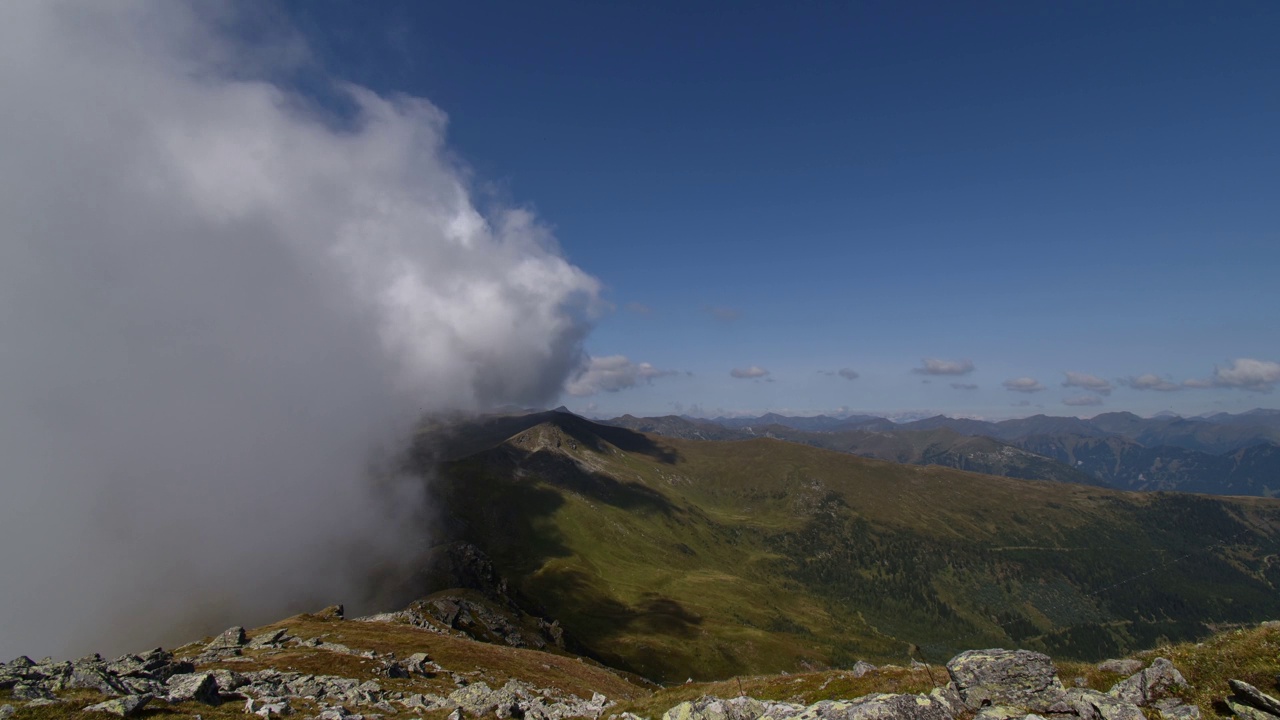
<point>722,313</point>
<point>639,308</point>
<point>964,386</point>
<point>611,374</point>
<point>1151,381</point>
<point>846,373</point>
<point>1082,401</point>
<point>1085,381</point>
<point>749,373</point>
<point>1023,385</point>
<point>1248,374</point>
<point>934,366</point>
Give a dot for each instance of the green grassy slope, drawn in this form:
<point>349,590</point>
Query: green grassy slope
<point>677,559</point>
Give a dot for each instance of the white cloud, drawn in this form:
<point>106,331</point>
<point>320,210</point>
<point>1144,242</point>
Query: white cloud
<point>611,374</point>
<point>934,366</point>
<point>1085,381</point>
<point>639,308</point>
<point>755,371</point>
<point>1023,385</point>
<point>1248,374</point>
<point>1151,381</point>
<point>1082,401</point>
<point>225,299</point>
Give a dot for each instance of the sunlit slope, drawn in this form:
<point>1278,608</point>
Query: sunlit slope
<point>679,558</point>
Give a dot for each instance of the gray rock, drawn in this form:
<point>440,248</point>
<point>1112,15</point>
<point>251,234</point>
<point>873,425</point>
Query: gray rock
<point>421,664</point>
<point>6,712</point>
<point>1175,709</point>
<point>94,678</point>
<point>30,691</point>
<point>228,680</point>
<point>861,668</point>
<point>898,707</point>
<point>1093,705</point>
<point>1160,680</point>
<point>268,707</point>
<point>1251,695</point>
<point>122,706</point>
<point>739,708</point>
<point>228,643</point>
<point>1124,666</point>
<point>197,687</point>
<point>1248,712</point>
<point>273,638</point>
<point>1013,678</point>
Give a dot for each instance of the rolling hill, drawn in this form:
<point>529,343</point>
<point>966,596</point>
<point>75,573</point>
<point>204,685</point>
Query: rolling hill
<point>680,558</point>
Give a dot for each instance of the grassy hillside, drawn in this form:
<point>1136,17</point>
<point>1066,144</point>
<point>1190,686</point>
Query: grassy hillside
<point>676,558</point>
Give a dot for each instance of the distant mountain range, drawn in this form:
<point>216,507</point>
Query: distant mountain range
<point>1221,454</point>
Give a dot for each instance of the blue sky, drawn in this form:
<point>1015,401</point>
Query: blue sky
<point>1035,188</point>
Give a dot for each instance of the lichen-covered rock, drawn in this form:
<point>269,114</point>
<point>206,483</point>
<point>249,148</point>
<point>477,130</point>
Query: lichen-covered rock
<point>1011,678</point>
<point>739,708</point>
<point>1160,680</point>
<point>193,687</point>
<point>270,639</point>
<point>861,668</point>
<point>268,707</point>
<point>1250,695</point>
<point>6,712</point>
<point>1247,712</point>
<point>1175,709</point>
<point>1093,705</point>
<point>126,706</point>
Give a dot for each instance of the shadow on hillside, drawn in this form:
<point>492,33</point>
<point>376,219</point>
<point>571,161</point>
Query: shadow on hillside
<point>630,441</point>
<point>587,604</point>
<point>563,471</point>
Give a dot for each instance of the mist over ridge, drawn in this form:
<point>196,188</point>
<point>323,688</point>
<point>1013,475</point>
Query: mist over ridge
<point>220,313</point>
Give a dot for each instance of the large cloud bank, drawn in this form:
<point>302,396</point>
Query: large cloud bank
<point>218,305</point>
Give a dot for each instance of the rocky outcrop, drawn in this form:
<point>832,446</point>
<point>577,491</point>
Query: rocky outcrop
<point>1250,703</point>
<point>1158,681</point>
<point>992,684</point>
<point>1006,678</point>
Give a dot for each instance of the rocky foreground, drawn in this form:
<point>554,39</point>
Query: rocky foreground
<point>276,672</point>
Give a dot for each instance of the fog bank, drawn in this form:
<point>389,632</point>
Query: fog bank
<point>220,308</point>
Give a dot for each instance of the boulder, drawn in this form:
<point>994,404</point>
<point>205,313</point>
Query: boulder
<point>194,687</point>
<point>1011,678</point>
<point>95,678</point>
<point>123,706</point>
<point>1093,705</point>
<point>1156,682</point>
<point>228,643</point>
<point>1247,712</point>
<point>1250,695</point>
<point>271,638</point>
<point>268,707</point>
<point>861,668</point>
<point>6,712</point>
<point>1175,709</point>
